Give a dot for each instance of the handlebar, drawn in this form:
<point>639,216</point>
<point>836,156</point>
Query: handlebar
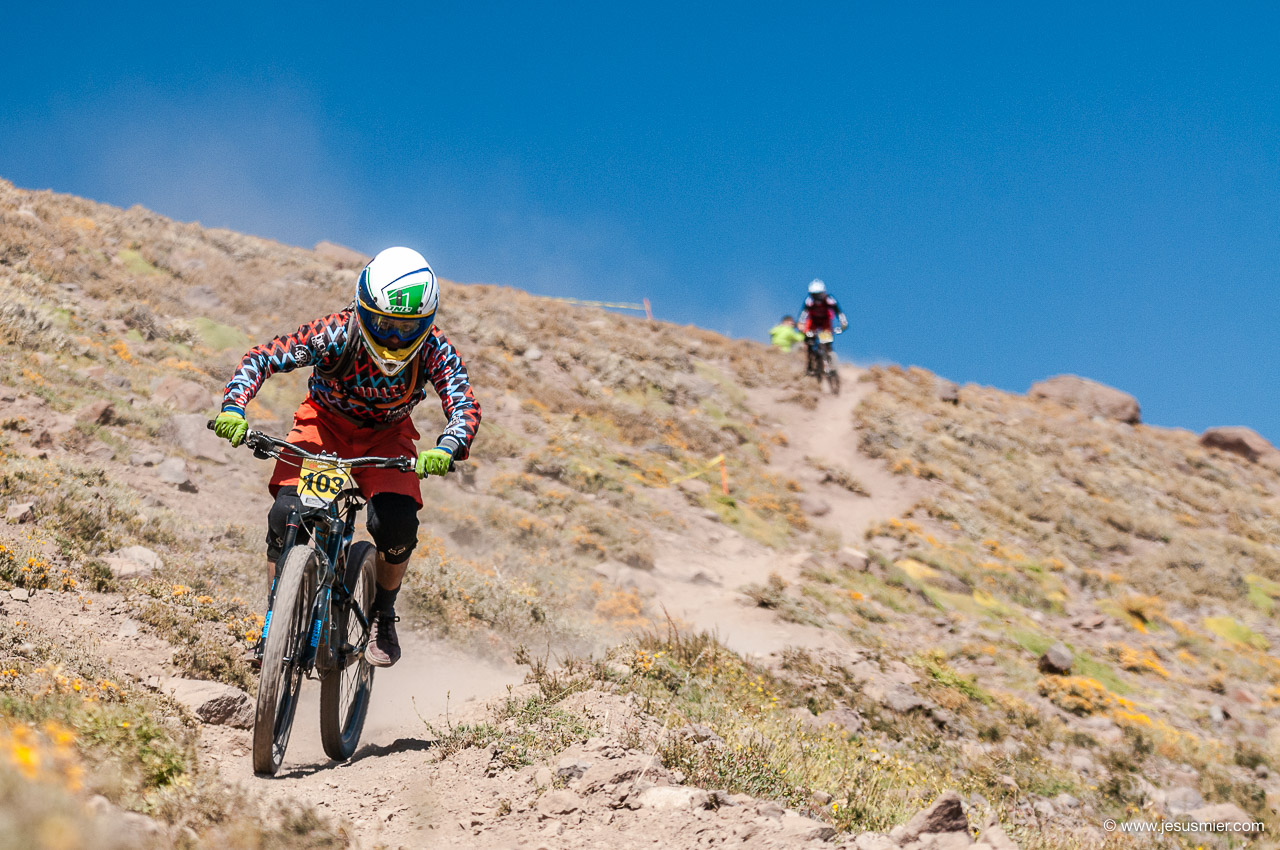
<point>265,446</point>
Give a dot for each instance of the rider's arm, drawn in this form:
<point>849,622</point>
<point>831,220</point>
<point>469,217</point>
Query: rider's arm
<point>448,374</point>
<point>835,308</point>
<point>306,346</point>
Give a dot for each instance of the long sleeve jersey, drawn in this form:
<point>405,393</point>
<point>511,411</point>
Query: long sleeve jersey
<point>362,393</point>
<point>820,313</point>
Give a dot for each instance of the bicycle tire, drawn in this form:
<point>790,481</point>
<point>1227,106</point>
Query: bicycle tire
<point>345,692</point>
<point>281,678</point>
<point>833,378</point>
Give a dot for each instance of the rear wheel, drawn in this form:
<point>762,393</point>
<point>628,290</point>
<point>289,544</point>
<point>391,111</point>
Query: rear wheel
<point>345,690</point>
<point>281,677</point>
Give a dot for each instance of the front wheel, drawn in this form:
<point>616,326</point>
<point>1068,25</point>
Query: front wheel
<point>833,378</point>
<point>281,677</point>
<point>345,690</point>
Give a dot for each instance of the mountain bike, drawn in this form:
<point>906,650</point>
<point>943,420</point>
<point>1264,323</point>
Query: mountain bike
<point>317,622</point>
<point>822,361</point>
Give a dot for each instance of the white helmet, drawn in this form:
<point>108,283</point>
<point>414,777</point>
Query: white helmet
<point>396,300</point>
<point>817,287</point>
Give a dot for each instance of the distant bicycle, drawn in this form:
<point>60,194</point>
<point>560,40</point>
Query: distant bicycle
<point>317,619</point>
<point>821,360</point>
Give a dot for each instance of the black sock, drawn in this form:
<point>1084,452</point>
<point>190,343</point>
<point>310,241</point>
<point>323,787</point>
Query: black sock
<point>384,601</point>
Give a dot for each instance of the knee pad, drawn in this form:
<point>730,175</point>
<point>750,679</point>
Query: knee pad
<point>393,525</point>
<point>278,519</point>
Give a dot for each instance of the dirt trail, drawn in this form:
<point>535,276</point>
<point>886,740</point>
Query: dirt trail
<point>699,576</point>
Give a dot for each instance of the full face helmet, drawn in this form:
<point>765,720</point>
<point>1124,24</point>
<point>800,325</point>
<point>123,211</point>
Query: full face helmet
<point>396,300</point>
<point>817,287</point>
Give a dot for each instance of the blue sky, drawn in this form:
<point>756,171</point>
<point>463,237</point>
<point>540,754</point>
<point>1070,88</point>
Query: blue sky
<point>995,191</point>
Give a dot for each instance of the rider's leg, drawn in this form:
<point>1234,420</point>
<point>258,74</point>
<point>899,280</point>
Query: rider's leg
<point>393,525</point>
<point>277,526</point>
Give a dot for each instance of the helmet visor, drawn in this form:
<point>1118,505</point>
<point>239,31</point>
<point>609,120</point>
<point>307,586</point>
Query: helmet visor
<point>393,332</point>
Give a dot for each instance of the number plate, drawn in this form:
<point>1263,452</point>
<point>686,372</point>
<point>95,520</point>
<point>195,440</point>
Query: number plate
<point>319,483</point>
<point>825,336</point>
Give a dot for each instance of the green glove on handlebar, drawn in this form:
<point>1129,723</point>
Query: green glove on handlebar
<point>231,426</point>
<point>433,462</point>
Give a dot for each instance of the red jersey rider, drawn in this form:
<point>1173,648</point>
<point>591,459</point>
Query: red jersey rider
<point>372,364</point>
<point>820,313</point>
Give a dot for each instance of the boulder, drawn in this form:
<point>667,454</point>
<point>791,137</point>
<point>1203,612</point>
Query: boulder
<point>627,769</point>
<point>146,457</point>
<point>895,696</point>
<point>995,838</point>
<point>99,450</point>
<point>672,797</point>
<point>1180,800</point>
<point>842,719</point>
<point>561,802</point>
<point>342,256</point>
<point>874,841</point>
<point>945,814</point>
<point>100,412</point>
<point>182,395</point>
<point>800,828</point>
<point>213,702</point>
<point>694,487</point>
<point>1089,397</point>
<point>814,506</point>
<point>174,471</point>
<point>572,768</point>
<point>189,432</point>
<point>946,391</point>
<point>1057,659</point>
<point>21,512</point>
<point>133,562</point>
<point>853,559</point>
<point>1245,442</point>
<point>1223,813</point>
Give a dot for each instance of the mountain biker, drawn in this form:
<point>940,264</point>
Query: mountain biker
<point>820,313</point>
<point>373,362</point>
<point>784,335</point>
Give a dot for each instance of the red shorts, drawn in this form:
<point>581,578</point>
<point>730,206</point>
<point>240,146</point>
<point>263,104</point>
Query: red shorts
<point>315,430</point>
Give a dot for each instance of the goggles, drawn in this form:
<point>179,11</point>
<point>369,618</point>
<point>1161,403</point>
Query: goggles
<point>394,332</point>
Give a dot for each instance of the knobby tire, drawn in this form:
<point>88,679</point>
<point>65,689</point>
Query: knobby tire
<point>345,691</point>
<point>281,678</point>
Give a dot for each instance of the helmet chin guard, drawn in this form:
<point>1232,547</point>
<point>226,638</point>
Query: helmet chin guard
<point>396,300</point>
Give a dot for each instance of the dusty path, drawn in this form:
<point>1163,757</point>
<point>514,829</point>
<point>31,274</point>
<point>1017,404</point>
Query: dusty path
<point>698,578</point>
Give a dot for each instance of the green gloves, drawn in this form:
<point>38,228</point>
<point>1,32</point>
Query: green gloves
<point>231,426</point>
<point>433,462</point>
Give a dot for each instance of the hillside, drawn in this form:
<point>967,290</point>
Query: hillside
<point>909,591</point>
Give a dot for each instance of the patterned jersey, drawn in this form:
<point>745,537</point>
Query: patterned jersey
<point>363,394</point>
<point>820,313</point>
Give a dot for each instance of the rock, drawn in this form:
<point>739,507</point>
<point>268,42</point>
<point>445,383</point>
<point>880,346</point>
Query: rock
<point>672,797</point>
<point>21,512</point>
<point>874,841</point>
<point>843,719</point>
<point>1066,801</point>
<point>895,697</point>
<point>1217,715</point>
<point>1044,809</point>
<point>946,391</point>
<point>571,768</point>
<point>213,702</point>
<point>133,562</point>
<point>1057,659</point>
<point>146,457</point>
<point>627,769</point>
<point>100,412</point>
<point>705,579</point>
<point>99,450</point>
<point>174,471</point>
<point>821,798</point>
<point>341,256</point>
<point>20,594</point>
<point>543,777</point>
<point>694,487</point>
<point>770,809</point>
<point>945,814</point>
<point>699,734</point>
<point>188,432</point>
<point>996,838</point>
<point>940,841</point>
<point>814,506</point>
<point>1245,442</point>
<point>853,559</point>
<point>1223,813</point>
<point>560,802</point>
<point>1179,800</point>
<point>799,828</point>
<point>182,395</point>
<point>532,354</point>
<point>1089,397</point>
